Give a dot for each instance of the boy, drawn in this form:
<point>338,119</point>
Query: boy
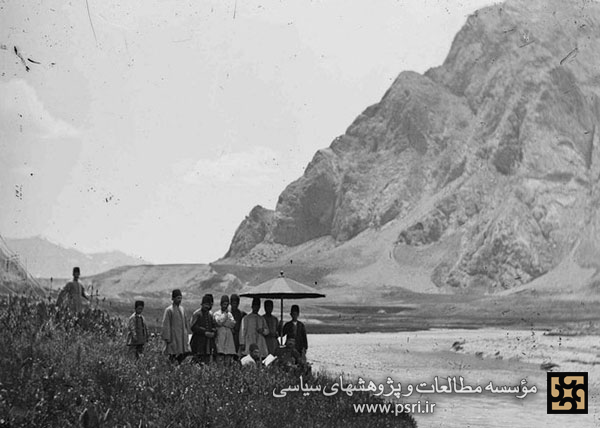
<point>137,335</point>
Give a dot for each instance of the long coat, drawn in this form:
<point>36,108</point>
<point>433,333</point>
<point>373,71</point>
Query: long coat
<point>237,316</point>
<point>175,330</point>
<point>271,338</point>
<point>300,334</point>
<point>203,322</point>
<point>137,332</point>
<point>225,324</point>
<point>249,333</point>
<point>70,297</point>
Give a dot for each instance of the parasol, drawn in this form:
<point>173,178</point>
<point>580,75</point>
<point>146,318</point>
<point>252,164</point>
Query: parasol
<point>281,288</point>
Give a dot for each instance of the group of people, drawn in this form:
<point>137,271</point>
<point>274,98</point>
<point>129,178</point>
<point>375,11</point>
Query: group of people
<point>230,334</point>
<point>224,336</point>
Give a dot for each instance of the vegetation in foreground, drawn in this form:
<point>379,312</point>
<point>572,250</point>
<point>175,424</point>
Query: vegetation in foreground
<point>54,368</point>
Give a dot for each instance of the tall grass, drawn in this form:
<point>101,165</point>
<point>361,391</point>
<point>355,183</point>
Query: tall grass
<point>55,367</point>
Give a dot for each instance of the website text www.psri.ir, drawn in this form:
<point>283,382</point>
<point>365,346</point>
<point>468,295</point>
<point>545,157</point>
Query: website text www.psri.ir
<point>395,408</point>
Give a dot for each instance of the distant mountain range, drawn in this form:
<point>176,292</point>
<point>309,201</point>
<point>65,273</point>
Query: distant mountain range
<point>45,259</point>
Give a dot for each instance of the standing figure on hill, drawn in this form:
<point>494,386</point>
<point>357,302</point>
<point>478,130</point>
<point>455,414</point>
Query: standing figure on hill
<point>254,329</point>
<point>295,329</point>
<point>237,316</point>
<point>204,331</point>
<point>70,297</point>
<point>137,333</point>
<point>271,338</point>
<point>225,324</point>
<point>175,329</point>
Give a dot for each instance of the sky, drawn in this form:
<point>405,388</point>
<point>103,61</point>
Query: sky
<point>154,127</point>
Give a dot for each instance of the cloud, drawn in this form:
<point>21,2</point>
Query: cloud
<point>254,167</point>
<point>22,111</point>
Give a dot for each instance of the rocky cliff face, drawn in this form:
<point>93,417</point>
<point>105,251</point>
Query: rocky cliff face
<point>498,147</point>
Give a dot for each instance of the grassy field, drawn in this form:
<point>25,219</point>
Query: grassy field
<point>57,369</point>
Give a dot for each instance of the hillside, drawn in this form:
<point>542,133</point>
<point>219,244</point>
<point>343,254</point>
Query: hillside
<point>157,281</point>
<point>14,278</point>
<point>46,259</point>
<point>479,176</point>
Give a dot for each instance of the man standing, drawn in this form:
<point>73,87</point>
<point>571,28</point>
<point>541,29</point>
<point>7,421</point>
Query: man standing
<point>254,329</point>
<point>71,295</point>
<point>237,316</point>
<point>272,323</point>
<point>203,332</point>
<point>295,329</point>
<point>175,329</point>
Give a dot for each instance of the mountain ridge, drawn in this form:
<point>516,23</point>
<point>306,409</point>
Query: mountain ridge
<point>495,150</point>
<point>47,259</point>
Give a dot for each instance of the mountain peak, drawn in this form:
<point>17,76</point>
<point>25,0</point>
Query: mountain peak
<point>490,161</point>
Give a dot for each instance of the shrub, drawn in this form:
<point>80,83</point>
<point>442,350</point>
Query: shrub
<point>57,369</point>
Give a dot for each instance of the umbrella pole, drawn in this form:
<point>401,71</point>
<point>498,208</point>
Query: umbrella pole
<point>280,332</point>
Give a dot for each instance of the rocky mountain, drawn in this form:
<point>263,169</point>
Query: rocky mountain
<point>480,175</point>
<point>46,259</point>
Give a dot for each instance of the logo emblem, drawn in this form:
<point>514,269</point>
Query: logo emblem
<point>567,392</point>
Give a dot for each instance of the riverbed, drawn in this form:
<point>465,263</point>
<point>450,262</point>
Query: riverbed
<point>503,357</point>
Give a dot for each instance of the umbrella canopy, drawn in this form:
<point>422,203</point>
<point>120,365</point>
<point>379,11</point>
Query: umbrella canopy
<point>281,288</point>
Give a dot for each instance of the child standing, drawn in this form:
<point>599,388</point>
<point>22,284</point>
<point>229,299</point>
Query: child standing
<point>137,335</point>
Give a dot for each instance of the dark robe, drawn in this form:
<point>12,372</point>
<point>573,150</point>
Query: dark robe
<point>203,323</point>
<point>271,338</point>
<point>298,333</point>
<point>237,316</point>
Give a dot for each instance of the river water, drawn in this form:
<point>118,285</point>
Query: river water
<point>503,357</point>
